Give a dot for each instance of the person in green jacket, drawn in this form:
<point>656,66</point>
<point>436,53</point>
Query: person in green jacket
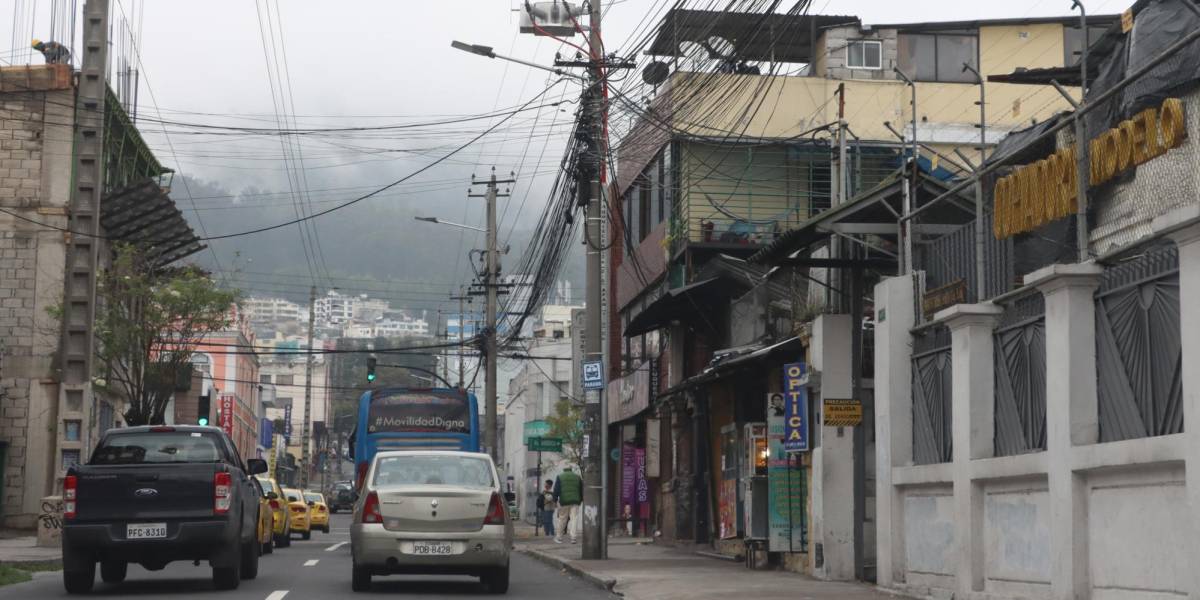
<point>568,492</point>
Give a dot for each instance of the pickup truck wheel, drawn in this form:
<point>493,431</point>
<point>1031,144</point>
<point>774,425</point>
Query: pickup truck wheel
<point>228,578</point>
<point>249,564</point>
<point>360,579</point>
<point>81,581</point>
<point>113,571</point>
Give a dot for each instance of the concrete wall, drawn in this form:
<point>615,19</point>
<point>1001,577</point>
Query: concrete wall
<point>1079,520</point>
<point>35,169</point>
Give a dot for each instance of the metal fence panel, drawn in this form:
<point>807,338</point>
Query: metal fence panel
<point>1020,376</point>
<point>932,397</point>
<point>951,258</point>
<point>1138,349</point>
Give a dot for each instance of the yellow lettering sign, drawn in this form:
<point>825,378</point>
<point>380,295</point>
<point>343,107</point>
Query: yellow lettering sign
<point>1046,190</point>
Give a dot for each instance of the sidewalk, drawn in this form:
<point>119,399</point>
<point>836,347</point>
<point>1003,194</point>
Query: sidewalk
<point>24,550</point>
<point>639,570</point>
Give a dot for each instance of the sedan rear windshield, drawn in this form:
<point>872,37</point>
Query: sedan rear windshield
<point>433,470</point>
<point>314,498</point>
<point>157,447</point>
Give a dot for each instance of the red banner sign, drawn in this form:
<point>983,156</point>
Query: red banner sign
<point>227,414</point>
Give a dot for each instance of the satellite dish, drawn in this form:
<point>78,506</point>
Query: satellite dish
<point>656,72</point>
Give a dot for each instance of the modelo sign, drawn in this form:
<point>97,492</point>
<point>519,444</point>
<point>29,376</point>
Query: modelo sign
<point>1046,190</point>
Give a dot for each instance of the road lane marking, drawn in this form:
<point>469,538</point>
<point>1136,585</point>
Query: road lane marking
<point>336,546</point>
<point>310,563</point>
<point>277,595</point>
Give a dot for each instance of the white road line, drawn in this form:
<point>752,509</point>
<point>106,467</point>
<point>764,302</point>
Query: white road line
<point>336,546</point>
<point>277,595</point>
<point>310,563</point>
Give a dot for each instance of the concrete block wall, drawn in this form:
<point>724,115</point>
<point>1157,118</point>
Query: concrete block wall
<point>835,53</point>
<point>1079,520</point>
<point>35,154</point>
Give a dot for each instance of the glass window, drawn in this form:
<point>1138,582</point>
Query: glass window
<point>419,469</point>
<point>1073,42</point>
<point>157,447</point>
<point>284,379</point>
<point>314,498</point>
<point>952,52</point>
<point>864,54</point>
<point>264,379</point>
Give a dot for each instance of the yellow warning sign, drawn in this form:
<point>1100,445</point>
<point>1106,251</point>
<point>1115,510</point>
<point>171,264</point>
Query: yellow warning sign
<point>842,413</point>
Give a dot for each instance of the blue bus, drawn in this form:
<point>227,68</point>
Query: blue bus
<point>399,418</point>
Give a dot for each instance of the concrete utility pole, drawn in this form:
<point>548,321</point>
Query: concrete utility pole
<point>595,541</point>
<point>83,251</point>
<point>462,325</point>
<point>491,285</point>
<point>305,454</point>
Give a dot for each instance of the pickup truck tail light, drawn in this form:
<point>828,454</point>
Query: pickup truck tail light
<point>370,512</point>
<point>495,514</point>
<point>222,493</point>
<point>70,485</point>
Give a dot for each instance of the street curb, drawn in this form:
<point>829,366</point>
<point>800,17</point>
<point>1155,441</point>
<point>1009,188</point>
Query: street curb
<point>606,584</point>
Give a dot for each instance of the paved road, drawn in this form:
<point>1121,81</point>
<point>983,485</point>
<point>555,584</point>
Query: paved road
<point>318,569</point>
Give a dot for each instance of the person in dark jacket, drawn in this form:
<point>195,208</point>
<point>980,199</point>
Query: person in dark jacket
<point>545,508</point>
<point>568,492</point>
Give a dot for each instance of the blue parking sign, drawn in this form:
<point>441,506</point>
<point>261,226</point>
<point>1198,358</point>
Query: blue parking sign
<point>593,375</point>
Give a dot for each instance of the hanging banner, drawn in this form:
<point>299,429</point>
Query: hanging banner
<point>265,433</point>
<point>227,414</point>
<point>628,480</point>
<point>653,449</point>
<point>643,486</point>
<point>795,408</point>
<point>287,424</point>
<point>785,488</point>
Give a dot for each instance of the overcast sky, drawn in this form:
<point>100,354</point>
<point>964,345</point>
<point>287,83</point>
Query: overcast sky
<point>384,63</point>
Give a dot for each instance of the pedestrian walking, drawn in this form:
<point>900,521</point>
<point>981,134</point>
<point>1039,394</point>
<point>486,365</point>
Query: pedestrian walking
<point>546,506</point>
<point>568,492</point>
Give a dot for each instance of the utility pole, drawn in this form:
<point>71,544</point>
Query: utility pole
<point>491,285</point>
<point>305,453</point>
<point>462,323</point>
<point>595,475</point>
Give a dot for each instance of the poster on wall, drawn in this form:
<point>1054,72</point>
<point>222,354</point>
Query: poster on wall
<point>785,487</point>
<point>727,526</point>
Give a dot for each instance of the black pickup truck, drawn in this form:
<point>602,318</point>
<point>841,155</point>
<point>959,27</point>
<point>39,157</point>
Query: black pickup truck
<point>152,495</point>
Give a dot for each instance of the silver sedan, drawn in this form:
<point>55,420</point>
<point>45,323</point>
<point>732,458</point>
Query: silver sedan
<point>431,512</point>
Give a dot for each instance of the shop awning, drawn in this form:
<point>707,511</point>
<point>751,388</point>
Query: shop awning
<point>143,215</point>
<point>675,305</point>
<point>728,363</point>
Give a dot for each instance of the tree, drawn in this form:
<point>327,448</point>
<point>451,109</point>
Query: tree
<point>148,323</point>
<point>567,423</point>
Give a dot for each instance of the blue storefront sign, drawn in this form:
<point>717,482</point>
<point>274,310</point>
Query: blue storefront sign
<point>265,434</point>
<point>795,408</point>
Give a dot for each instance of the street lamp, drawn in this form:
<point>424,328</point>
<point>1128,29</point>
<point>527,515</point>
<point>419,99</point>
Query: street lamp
<point>438,221</point>
<point>487,52</point>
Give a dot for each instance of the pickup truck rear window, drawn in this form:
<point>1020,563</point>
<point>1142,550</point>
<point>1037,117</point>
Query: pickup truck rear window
<point>157,447</point>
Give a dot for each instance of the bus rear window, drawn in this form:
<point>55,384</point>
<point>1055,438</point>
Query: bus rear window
<point>419,412</point>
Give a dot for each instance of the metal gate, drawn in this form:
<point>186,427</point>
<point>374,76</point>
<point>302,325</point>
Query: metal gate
<point>931,396</point>
<point>1020,374</point>
<point>1138,353</point>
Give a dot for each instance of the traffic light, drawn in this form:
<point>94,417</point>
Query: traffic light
<point>202,411</point>
<point>371,368</point>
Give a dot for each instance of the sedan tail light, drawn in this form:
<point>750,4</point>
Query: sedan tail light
<point>360,475</point>
<point>222,493</point>
<point>275,505</point>
<point>496,513</point>
<point>70,498</point>
<point>370,511</point>
<point>297,509</point>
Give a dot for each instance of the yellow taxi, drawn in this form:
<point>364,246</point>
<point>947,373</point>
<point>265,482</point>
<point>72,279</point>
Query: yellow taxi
<point>266,520</point>
<point>298,513</point>
<point>281,524</point>
<point>319,511</point>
